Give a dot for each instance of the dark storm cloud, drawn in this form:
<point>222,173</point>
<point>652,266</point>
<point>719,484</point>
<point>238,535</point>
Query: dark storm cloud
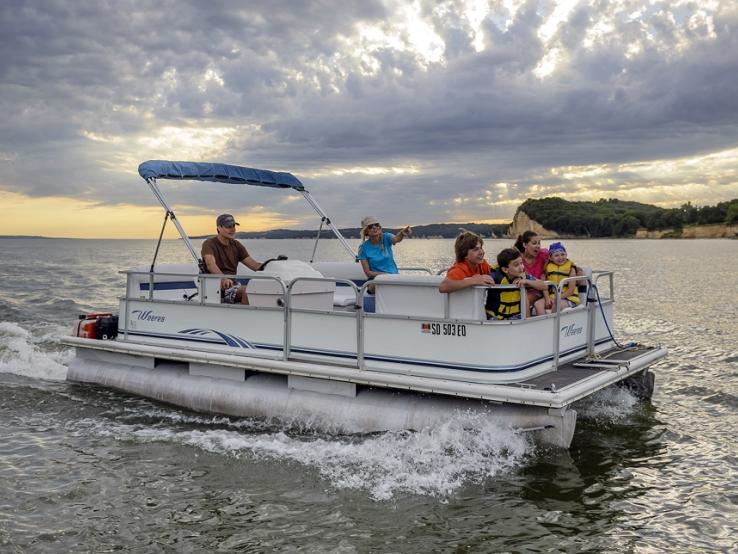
<point>82,85</point>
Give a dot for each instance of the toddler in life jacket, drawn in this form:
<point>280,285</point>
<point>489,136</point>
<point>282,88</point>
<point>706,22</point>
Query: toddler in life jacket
<point>560,267</point>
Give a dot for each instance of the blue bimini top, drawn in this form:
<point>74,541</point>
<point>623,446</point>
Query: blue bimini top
<point>220,173</point>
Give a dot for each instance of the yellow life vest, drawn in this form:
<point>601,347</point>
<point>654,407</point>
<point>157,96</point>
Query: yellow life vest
<point>505,303</point>
<point>558,273</point>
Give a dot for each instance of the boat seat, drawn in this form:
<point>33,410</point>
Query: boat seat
<point>176,282</point>
<point>312,292</point>
<point>179,281</point>
<point>344,295</point>
<point>351,271</point>
<point>418,296</point>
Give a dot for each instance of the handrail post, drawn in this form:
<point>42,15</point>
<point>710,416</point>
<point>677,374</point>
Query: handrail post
<point>591,313</point>
<point>287,318</point>
<point>523,302</point>
<point>360,323</point>
<point>557,327</point>
<point>128,306</point>
<point>201,282</point>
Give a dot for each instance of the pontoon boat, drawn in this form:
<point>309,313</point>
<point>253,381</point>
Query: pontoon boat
<point>314,346</point>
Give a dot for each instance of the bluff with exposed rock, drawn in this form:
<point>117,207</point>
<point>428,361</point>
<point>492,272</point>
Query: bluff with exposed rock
<point>521,223</point>
<point>692,232</point>
<point>555,217</point>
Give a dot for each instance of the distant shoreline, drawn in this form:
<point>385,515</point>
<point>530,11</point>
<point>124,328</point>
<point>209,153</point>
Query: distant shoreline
<point>39,237</point>
<point>28,237</point>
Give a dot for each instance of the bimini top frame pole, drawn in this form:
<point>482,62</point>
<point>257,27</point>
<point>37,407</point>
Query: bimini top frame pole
<point>170,213</point>
<point>324,218</point>
<point>223,173</point>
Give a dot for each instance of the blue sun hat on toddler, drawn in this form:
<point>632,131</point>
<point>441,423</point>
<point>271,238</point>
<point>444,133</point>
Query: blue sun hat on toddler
<point>556,247</point>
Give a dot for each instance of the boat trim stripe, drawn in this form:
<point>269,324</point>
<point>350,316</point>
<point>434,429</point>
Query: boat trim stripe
<point>376,358</point>
<point>169,285</point>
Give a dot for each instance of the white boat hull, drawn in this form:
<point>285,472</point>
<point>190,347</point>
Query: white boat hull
<point>270,396</point>
<point>335,398</point>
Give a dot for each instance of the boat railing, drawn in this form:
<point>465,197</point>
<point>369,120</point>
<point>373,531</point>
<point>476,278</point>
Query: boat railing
<point>201,280</point>
<point>524,308</point>
<point>594,303</point>
<point>558,288</point>
<point>448,296</point>
<point>597,275</point>
<point>205,277</point>
<point>557,309</point>
<point>152,281</point>
<point>286,291</point>
<point>417,284</point>
<point>358,292</point>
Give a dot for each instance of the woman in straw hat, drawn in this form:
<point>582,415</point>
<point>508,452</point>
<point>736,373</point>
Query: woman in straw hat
<point>375,252</point>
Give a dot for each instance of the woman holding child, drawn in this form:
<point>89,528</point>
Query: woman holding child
<point>535,259</point>
<point>550,264</point>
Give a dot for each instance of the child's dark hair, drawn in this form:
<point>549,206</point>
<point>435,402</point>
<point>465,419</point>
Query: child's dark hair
<point>465,242</point>
<point>506,256</point>
<point>524,239</point>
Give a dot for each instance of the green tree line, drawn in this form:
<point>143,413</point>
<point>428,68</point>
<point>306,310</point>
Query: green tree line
<point>617,218</point>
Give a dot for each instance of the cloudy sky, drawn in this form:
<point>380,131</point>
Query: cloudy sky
<point>416,112</point>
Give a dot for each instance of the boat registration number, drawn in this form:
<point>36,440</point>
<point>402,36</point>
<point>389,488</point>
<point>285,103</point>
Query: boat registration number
<point>446,329</point>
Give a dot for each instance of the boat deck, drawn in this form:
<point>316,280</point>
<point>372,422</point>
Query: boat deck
<point>571,373</point>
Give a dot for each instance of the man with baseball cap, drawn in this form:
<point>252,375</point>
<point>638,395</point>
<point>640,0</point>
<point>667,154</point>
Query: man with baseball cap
<point>221,255</point>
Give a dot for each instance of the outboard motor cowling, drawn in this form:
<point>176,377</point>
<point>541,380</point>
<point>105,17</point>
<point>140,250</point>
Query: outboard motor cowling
<point>96,325</point>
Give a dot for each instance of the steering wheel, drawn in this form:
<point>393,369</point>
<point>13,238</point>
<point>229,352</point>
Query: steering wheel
<point>279,258</point>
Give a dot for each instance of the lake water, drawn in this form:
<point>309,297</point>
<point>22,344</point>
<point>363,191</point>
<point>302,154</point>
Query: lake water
<point>84,469</point>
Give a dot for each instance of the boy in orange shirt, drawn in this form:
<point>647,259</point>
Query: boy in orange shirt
<point>470,269</point>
